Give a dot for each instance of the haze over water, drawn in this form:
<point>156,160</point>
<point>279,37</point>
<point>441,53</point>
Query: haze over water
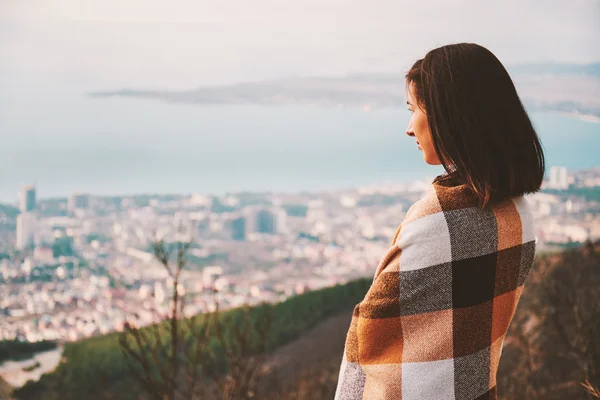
<point>113,146</point>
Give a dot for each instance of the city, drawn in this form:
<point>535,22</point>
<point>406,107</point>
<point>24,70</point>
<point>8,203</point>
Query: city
<point>73,268</point>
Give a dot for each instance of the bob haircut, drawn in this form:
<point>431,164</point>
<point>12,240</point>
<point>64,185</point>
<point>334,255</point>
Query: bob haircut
<point>480,129</point>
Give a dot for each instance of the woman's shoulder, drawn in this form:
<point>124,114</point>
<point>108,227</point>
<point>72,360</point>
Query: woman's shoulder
<point>456,208</point>
<point>439,199</point>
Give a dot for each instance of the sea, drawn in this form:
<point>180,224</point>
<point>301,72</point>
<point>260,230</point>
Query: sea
<point>127,146</point>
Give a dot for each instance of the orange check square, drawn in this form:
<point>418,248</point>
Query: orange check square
<point>380,340</point>
<point>428,336</point>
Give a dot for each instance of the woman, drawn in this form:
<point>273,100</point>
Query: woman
<point>433,322</point>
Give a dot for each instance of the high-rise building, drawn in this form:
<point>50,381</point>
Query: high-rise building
<point>238,228</point>
<point>26,229</point>
<point>265,221</point>
<point>559,178</point>
<point>270,220</point>
<point>78,201</point>
<point>27,198</point>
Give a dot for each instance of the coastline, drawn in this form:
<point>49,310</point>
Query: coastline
<point>14,373</point>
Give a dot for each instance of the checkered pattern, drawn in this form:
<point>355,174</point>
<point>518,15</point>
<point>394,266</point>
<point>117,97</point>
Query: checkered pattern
<point>433,322</point>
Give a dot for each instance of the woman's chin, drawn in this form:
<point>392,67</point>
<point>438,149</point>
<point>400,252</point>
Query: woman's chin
<point>431,162</point>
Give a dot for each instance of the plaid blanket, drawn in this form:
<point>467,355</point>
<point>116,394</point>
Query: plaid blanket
<point>433,322</point>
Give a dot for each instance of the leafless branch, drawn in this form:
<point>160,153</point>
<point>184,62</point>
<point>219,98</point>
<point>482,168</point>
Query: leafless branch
<point>169,358</point>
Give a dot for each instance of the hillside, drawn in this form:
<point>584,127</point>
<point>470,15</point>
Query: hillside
<point>95,368</point>
<point>4,390</point>
<point>551,346</point>
<point>550,349</point>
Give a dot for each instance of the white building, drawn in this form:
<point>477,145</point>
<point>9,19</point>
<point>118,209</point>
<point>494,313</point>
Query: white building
<point>209,273</point>
<point>281,220</point>
<point>559,178</point>
<point>26,229</point>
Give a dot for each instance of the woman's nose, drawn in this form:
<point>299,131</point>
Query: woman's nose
<point>409,131</point>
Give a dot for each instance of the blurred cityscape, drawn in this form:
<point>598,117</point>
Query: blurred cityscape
<point>77,267</point>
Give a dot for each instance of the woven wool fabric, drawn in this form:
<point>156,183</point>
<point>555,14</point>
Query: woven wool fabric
<point>433,322</point>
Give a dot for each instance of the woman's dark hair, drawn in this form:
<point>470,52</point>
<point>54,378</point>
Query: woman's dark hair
<point>480,129</point>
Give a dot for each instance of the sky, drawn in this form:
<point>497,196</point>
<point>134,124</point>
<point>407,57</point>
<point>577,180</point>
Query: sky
<point>53,52</point>
<point>49,45</point>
